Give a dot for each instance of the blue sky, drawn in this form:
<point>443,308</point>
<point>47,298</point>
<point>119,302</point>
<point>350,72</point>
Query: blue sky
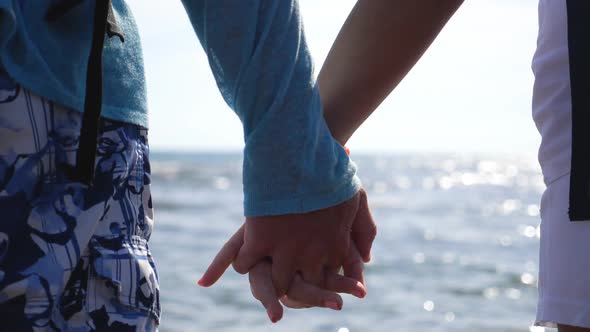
<point>471,92</point>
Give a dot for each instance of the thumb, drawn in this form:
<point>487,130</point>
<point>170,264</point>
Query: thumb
<point>353,266</point>
<point>249,254</point>
<point>364,229</point>
<point>224,258</point>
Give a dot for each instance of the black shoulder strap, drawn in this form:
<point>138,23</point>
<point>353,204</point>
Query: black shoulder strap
<point>579,57</point>
<point>104,23</point>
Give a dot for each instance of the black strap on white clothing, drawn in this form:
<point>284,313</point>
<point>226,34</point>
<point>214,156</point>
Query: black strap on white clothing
<point>579,57</point>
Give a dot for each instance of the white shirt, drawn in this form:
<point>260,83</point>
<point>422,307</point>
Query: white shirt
<point>552,105</point>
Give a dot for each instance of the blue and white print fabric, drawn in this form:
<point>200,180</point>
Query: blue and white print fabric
<point>72,257</point>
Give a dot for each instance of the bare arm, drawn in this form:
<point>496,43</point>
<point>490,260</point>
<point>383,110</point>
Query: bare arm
<point>378,45</point>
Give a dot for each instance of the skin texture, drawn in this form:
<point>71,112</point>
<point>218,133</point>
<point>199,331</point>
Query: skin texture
<point>305,243</point>
<point>301,294</point>
<point>377,46</point>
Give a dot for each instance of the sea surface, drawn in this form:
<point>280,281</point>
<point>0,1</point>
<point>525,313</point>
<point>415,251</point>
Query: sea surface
<point>457,248</point>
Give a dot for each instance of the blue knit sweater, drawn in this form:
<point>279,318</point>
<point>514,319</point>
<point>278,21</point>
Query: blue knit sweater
<point>260,60</point>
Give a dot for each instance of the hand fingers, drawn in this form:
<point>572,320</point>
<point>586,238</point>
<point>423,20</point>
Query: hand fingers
<point>316,297</point>
<point>263,290</point>
<point>290,303</point>
<point>303,294</point>
<point>353,266</point>
<point>247,257</point>
<point>314,276</point>
<point>223,259</point>
<point>364,229</point>
<point>332,281</point>
<point>283,272</point>
<point>341,284</point>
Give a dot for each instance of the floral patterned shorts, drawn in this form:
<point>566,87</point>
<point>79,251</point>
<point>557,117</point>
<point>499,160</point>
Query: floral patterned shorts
<point>72,257</point>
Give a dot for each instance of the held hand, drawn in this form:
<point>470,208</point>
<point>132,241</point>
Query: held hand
<point>306,243</point>
<point>263,234</point>
<point>300,294</point>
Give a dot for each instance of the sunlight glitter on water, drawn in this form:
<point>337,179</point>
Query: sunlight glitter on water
<point>447,255</point>
<point>449,316</point>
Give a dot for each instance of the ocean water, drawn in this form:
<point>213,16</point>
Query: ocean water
<point>457,246</point>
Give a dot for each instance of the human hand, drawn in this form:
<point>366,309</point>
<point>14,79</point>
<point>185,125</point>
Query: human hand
<point>364,229</point>
<point>307,243</point>
<point>300,294</point>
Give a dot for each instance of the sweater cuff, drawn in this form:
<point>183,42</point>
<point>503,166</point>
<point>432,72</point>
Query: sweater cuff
<point>304,203</point>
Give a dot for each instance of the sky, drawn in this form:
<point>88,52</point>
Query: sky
<point>471,92</point>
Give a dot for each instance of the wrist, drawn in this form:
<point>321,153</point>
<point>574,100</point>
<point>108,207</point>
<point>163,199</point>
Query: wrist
<point>337,128</point>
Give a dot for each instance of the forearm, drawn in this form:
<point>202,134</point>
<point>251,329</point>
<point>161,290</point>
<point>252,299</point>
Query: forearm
<point>259,57</point>
<point>377,46</point>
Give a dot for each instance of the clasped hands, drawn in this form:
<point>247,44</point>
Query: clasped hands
<point>295,259</point>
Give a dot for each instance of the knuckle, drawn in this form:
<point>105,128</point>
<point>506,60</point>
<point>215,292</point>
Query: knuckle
<point>232,246</point>
<point>340,252</point>
<point>335,280</point>
<point>368,231</point>
<point>373,231</point>
<point>309,259</point>
<point>350,262</point>
<point>239,268</point>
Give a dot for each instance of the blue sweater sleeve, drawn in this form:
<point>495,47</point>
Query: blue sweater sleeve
<point>263,68</point>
